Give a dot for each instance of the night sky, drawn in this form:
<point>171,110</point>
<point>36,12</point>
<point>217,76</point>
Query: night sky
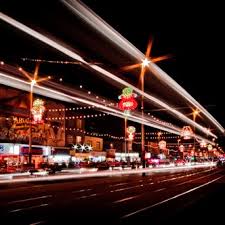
<point>192,33</point>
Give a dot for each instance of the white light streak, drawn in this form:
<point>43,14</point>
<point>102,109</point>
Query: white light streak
<point>107,31</point>
<point>75,56</point>
<point>24,85</point>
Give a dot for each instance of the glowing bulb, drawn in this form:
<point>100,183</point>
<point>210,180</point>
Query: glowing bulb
<point>33,82</point>
<point>145,62</point>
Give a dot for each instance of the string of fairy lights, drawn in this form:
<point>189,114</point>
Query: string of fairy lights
<point>96,134</point>
<point>88,92</point>
<point>56,61</point>
<point>77,117</point>
<point>89,116</point>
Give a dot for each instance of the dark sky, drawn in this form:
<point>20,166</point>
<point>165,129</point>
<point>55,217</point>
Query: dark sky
<point>192,33</point>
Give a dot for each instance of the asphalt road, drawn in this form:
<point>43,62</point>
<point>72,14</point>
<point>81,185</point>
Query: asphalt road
<point>190,196</point>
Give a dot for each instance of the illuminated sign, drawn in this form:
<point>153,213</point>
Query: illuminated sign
<point>127,100</point>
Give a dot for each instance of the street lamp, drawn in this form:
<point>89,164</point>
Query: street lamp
<point>33,78</point>
<point>145,63</point>
<point>178,146</point>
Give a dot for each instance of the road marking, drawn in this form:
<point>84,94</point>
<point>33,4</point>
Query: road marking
<point>32,207</point>
<point>198,178</point>
<point>169,199</point>
<point>30,199</point>
<point>86,196</point>
<point>189,175</point>
<point>82,190</point>
<point>126,199</point>
<point>161,189</point>
<point>115,185</point>
<point>127,188</point>
<point>39,222</point>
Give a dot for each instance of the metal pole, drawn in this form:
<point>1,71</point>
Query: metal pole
<point>30,126</point>
<point>142,125</point>
<point>194,135</point>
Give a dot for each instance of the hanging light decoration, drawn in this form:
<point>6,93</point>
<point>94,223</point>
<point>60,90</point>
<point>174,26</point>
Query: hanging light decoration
<point>38,110</point>
<point>127,101</point>
<point>186,132</point>
<point>210,147</point>
<point>82,147</point>
<point>162,145</point>
<point>131,130</point>
<point>181,148</point>
<point>202,144</point>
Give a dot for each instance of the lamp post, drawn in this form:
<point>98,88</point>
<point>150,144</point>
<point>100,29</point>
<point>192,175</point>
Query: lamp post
<point>195,113</point>
<point>145,63</point>
<point>33,78</point>
<point>178,146</point>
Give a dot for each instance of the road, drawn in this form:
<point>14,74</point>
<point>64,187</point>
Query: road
<point>177,197</point>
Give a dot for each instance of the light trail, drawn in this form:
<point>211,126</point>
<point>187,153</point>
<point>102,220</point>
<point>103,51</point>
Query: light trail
<point>24,85</point>
<point>107,31</point>
<point>104,173</point>
<point>75,56</point>
<point>48,92</point>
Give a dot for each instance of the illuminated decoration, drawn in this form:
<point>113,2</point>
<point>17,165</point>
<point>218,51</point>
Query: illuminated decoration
<point>99,69</point>
<point>131,130</point>
<point>38,110</point>
<point>210,147</point>
<point>127,100</point>
<point>82,147</point>
<point>57,61</point>
<point>186,132</point>
<point>203,144</point>
<point>181,148</point>
<point>162,145</point>
<point>78,117</point>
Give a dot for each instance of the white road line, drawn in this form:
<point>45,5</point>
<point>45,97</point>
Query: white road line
<point>126,199</point>
<point>32,207</point>
<point>161,189</point>
<point>115,185</point>
<point>30,199</point>
<point>82,190</point>
<point>198,178</point>
<point>169,199</point>
<point>189,175</point>
<point>39,222</point>
<point>127,188</point>
<point>86,196</point>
